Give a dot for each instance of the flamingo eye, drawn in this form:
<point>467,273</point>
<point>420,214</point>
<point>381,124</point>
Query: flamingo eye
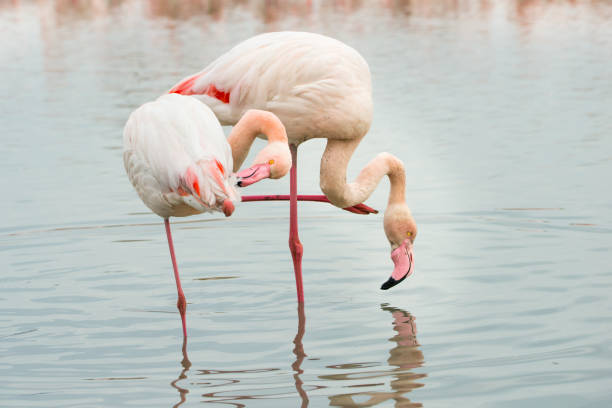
<point>271,162</point>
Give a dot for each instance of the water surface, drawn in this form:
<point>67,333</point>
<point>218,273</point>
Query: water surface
<point>501,115</point>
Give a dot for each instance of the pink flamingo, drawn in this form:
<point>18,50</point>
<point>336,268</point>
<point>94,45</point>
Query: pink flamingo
<point>319,88</point>
<point>178,160</point>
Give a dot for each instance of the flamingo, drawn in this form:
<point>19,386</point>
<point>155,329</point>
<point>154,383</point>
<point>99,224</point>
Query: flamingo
<point>318,87</point>
<point>178,160</point>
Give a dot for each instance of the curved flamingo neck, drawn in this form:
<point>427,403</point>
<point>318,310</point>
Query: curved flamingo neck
<point>397,178</point>
<point>342,194</point>
<point>252,124</point>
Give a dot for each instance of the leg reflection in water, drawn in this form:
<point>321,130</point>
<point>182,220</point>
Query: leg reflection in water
<point>298,350</point>
<point>228,397</point>
<point>183,375</point>
<point>404,356</point>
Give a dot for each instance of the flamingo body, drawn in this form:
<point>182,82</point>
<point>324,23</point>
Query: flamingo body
<point>177,158</point>
<point>317,86</point>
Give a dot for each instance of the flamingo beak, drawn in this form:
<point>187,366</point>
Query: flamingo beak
<point>403,259</point>
<point>253,174</point>
<point>228,207</point>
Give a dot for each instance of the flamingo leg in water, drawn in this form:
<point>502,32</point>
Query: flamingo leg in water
<point>357,209</point>
<point>181,304</point>
<point>294,240</point>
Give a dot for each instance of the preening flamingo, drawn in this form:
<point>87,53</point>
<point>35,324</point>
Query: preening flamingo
<point>178,160</point>
<point>319,88</point>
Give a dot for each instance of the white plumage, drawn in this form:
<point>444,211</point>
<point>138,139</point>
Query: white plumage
<point>319,88</point>
<point>316,85</point>
<point>177,158</point>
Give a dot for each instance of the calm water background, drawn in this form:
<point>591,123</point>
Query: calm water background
<point>501,113</point>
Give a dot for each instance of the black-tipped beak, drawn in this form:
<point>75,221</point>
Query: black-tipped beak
<point>392,282</point>
<point>252,175</point>
<point>404,265</point>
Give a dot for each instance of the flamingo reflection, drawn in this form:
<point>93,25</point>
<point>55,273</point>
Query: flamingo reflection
<point>298,350</point>
<point>182,376</point>
<point>219,378</point>
<point>404,356</point>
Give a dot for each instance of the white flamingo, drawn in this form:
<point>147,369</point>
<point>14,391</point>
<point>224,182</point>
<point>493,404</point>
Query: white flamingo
<point>178,160</point>
<point>319,88</point>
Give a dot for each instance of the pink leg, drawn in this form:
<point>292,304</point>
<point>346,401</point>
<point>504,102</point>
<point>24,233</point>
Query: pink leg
<point>294,240</point>
<point>357,209</point>
<point>181,303</point>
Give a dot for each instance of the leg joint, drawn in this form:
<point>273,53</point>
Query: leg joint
<point>296,246</point>
<point>181,304</point>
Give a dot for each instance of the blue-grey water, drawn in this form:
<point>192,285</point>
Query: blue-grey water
<point>501,113</point>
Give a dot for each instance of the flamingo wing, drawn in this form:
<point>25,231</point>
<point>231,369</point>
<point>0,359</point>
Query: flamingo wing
<point>301,77</point>
<point>177,158</point>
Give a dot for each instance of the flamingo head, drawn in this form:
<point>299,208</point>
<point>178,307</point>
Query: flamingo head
<point>401,231</point>
<point>274,162</point>
<point>403,260</point>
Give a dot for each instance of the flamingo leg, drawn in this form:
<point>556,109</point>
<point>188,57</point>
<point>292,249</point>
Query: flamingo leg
<point>181,304</point>
<point>357,209</point>
<point>294,240</point>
